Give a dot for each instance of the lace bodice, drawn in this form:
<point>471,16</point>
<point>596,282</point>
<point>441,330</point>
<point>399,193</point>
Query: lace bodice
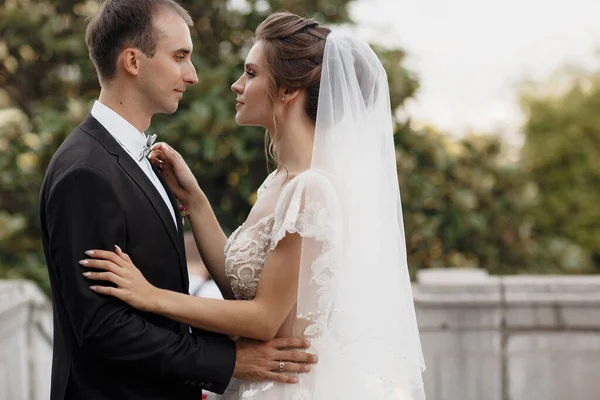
<point>247,248</point>
<point>245,254</point>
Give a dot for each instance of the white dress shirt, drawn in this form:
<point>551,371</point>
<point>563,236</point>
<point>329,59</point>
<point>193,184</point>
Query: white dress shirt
<point>202,287</point>
<point>132,141</point>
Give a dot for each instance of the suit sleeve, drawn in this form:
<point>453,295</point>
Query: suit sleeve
<point>83,212</point>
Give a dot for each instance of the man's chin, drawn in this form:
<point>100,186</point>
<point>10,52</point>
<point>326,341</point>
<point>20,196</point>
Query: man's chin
<point>170,109</point>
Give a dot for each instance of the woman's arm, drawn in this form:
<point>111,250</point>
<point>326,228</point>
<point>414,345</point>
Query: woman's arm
<point>210,240</point>
<point>208,235</point>
<point>258,319</point>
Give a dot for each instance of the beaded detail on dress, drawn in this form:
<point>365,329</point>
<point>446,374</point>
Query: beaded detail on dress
<point>245,254</point>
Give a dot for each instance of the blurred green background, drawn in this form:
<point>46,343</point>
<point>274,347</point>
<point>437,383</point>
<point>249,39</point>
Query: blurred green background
<point>466,203</point>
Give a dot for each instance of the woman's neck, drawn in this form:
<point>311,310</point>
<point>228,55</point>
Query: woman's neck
<point>295,146</point>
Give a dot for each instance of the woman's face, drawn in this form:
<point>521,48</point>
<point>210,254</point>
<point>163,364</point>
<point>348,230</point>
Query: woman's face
<point>252,103</point>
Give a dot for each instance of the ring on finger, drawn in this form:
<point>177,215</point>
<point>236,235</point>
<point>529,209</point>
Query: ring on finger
<point>281,367</point>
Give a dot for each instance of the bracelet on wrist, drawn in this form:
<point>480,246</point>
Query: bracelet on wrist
<point>183,212</point>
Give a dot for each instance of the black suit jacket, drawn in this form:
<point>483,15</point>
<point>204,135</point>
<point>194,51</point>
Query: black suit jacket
<point>95,196</point>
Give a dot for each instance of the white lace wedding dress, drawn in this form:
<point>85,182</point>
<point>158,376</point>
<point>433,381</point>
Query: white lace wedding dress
<point>279,210</point>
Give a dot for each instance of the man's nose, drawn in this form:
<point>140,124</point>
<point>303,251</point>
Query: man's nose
<point>191,77</point>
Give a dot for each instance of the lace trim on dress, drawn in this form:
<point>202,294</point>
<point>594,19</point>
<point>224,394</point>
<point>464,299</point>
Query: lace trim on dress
<point>245,255</point>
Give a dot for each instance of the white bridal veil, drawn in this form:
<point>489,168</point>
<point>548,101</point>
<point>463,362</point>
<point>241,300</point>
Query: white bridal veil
<point>354,291</point>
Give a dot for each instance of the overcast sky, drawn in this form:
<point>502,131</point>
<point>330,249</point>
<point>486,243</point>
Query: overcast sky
<point>469,54</point>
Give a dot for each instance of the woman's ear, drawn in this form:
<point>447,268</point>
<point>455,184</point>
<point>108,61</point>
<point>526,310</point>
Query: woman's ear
<point>287,95</point>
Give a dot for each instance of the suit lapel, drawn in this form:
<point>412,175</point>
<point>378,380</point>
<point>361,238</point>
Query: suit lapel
<point>93,128</point>
<point>141,179</point>
<point>181,246</point>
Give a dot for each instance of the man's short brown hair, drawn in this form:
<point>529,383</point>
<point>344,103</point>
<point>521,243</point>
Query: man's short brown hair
<point>125,23</point>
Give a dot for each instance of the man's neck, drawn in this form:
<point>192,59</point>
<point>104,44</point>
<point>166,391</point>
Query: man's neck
<point>126,106</point>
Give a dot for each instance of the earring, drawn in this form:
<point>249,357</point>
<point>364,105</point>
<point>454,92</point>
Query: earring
<point>283,98</point>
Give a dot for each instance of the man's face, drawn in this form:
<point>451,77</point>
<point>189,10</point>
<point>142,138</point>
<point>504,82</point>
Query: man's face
<point>165,76</point>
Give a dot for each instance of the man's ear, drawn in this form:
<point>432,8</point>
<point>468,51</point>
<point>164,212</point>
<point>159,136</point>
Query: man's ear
<point>287,95</point>
<point>130,59</point>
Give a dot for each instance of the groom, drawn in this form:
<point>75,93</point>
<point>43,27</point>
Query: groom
<point>99,191</point>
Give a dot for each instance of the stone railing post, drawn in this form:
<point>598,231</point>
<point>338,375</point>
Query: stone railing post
<point>25,341</point>
<point>509,338</point>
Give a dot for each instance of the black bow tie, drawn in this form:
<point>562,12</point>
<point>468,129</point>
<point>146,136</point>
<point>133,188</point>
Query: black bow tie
<point>148,146</point>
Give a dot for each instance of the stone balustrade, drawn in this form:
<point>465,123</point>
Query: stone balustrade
<point>25,341</point>
<point>509,337</point>
<point>484,337</point>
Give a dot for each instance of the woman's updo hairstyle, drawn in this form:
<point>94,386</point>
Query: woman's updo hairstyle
<point>293,49</point>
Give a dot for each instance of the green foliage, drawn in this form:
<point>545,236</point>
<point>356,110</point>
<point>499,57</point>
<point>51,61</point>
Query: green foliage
<point>465,207</point>
<point>462,205</point>
<point>562,154</point>
<point>48,85</point>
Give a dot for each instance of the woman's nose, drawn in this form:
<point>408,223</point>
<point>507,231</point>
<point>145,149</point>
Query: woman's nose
<point>237,86</point>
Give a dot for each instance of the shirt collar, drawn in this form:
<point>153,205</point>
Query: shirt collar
<point>124,133</point>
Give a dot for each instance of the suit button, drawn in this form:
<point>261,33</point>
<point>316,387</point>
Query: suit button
<point>187,382</point>
<point>209,385</point>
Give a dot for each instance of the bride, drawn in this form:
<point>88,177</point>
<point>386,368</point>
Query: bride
<point>322,253</point>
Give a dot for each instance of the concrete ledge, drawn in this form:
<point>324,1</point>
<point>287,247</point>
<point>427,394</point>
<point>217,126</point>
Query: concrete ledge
<point>512,337</point>
<point>484,337</point>
<point>25,341</point>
